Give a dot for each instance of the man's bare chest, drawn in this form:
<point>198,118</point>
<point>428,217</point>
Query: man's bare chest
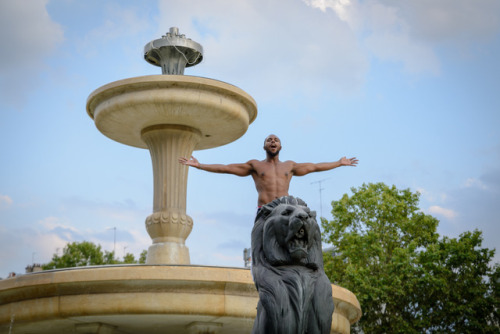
<point>273,171</point>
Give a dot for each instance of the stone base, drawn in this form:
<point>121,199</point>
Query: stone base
<point>139,299</point>
<point>168,253</point>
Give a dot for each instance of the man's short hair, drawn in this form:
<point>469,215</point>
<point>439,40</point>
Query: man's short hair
<point>265,140</point>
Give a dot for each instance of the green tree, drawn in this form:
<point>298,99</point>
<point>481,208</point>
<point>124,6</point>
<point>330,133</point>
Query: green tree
<point>458,289</point>
<point>77,254</point>
<point>129,258</point>
<point>143,256</point>
<point>406,278</point>
<point>85,253</point>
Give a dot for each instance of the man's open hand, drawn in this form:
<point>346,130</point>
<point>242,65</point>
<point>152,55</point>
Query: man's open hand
<point>191,162</point>
<point>348,162</point>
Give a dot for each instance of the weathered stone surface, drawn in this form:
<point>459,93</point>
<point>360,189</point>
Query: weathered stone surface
<point>140,299</point>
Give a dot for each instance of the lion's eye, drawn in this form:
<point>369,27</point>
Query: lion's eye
<point>286,213</point>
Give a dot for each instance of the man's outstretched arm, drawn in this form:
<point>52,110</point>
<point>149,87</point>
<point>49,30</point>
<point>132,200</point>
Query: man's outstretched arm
<point>300,169</point>
<point>243,169</point>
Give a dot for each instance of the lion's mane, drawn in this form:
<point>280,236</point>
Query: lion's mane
<point>295,295</point>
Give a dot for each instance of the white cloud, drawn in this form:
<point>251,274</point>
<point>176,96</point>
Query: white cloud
<point>432,196</point>
<point>409,31</point>
<point>5,201</point>
<point>398,47</point>
<point>27,35</point>
<point>347,10</point>
<point>293,47</point>
<point>51,223</point>
<point>429,20</point>
<point>141,240</point>
<point>385,32</point>
<point>208,246</point>
<point>28,245</point>
<point>452,21</point>
<point>50,235</point>
<point>45,245</point>
<point>475,183</point>
<point>124,213</point>
<point>440,211</point>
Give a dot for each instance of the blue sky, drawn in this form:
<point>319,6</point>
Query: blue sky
<point>410,88</point>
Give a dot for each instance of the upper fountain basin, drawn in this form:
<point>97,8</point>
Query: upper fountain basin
<point>220,112</point>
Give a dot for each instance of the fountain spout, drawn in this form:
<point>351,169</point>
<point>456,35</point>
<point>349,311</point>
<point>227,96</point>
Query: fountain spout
<point>173,52</point>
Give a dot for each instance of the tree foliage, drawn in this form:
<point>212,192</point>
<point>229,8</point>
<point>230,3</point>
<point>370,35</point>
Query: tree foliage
<point>129,258</point>
<point>85,253</point>
<point>406,278</point>
<point>143,256</point>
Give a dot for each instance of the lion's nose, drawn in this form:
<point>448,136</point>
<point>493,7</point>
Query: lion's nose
<point>301,215</point>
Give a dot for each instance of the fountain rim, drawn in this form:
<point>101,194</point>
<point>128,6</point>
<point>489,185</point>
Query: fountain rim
<point>121,278</point>
<point>155,81</point>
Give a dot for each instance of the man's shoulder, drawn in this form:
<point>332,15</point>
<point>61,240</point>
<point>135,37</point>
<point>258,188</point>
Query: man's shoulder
<point>289,163</point>
<point>254,163</point>
<point>257,163</point>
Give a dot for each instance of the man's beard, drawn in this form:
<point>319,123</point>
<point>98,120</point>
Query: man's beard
<point>271,154</point>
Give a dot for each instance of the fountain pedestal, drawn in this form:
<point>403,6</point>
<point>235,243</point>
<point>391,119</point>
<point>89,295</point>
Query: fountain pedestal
<point>168,225</point>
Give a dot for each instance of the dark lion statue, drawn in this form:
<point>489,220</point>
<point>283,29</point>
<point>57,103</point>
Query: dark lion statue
<point>295,296</point>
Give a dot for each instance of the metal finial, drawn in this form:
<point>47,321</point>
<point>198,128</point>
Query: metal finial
<point>173,52</point>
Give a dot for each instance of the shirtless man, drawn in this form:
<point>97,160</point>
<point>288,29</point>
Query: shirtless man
<point>271,176</point>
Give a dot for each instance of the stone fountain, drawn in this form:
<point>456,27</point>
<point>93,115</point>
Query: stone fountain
<point>171,115</point>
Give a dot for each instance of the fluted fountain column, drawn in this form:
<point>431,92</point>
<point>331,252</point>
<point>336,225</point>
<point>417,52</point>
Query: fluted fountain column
<point>169,225</point>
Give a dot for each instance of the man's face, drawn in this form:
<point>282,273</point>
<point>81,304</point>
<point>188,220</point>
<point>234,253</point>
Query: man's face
<point>272,145</point>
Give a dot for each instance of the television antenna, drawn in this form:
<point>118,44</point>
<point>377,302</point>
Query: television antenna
<point>319,182</point>
<point>114,238</point>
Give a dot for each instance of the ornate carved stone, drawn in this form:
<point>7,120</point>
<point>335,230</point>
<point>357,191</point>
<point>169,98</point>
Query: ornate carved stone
<point>169,226</point>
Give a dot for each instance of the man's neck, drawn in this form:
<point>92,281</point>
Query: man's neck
<point>272,158</point>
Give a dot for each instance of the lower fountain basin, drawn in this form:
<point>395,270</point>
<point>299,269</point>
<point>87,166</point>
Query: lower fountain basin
<point>142,299</point>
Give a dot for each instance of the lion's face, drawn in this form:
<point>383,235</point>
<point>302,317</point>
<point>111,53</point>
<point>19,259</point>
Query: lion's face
<point>291,235</point>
